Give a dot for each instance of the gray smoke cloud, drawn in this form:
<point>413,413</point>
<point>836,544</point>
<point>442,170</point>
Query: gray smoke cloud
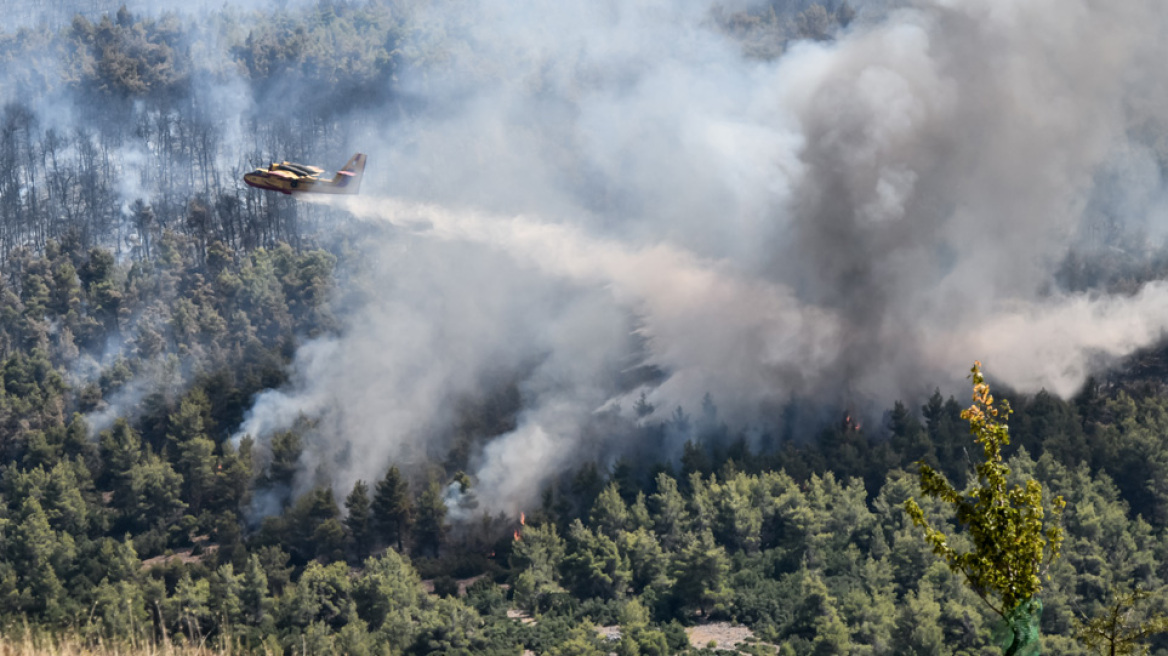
<point>598,187</point>
<point>55,14</point>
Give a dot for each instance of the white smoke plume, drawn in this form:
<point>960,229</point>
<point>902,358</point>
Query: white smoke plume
<point>597,187</point>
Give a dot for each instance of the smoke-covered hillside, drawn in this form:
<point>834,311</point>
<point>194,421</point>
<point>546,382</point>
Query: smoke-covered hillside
<point>849,218</point>
<point>596,243</point>
<point>603,203</point>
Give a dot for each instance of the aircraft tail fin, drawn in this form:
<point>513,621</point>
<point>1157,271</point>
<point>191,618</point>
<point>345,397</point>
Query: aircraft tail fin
<point>349,177</point>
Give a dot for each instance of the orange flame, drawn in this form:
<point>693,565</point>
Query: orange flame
<point>516,536</point>
<point>522,519</point>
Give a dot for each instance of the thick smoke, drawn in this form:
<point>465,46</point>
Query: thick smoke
<point>55,14</point>
<point>603,188</point>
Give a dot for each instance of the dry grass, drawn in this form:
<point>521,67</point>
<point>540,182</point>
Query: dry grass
<point>48,645</point>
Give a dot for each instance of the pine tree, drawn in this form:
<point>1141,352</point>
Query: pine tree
<point>701,569</point>
<point>537,556</point>
<point>233,477</point>
<point>909,439</point>
<point>392,511</point>
<point>358,521</point>
<point>286,449</point>
<point>190,607</point>
<point>918,626</point>
<point>38,553</point>
<point>224,596</point>
<point>610,515</point>
<point>430,530</point>
<point>593,566</point>
<point>192,419</point>
<point>647,561</point>
<point>668,511</point>
<point>385,593</point>
<point>197,465</point>
<point>943,422</point>
<point>253,592</point>
<point>820,610</point>
<point>121,448</point>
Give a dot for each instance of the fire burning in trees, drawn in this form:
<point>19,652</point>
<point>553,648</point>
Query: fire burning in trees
<point>851,424</point>
<point>522,522</point>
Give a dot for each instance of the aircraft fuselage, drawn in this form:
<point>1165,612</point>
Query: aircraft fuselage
<point>290,178</point>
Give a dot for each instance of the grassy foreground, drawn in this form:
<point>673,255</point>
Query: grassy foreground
<point>71,646</point>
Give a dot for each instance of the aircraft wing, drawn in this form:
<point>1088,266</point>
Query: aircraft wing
<point>289,178</point>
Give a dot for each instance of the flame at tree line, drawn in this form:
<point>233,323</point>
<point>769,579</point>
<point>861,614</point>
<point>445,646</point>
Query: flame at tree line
<point>522,522</point>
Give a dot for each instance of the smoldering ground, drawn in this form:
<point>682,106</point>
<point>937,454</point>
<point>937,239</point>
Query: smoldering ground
<point>600,187</point>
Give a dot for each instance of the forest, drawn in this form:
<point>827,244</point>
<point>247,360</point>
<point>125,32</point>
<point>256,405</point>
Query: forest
<point>144,529</point>
<point>148,299</point>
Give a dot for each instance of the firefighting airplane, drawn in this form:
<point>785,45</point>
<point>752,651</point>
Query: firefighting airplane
<point>290,178</point>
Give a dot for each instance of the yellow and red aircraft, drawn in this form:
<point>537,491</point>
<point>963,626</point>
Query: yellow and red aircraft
<point>291,178</point>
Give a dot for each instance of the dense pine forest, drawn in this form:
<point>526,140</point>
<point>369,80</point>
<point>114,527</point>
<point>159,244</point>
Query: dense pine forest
<point>141,525</point>
<point>165,479</point>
